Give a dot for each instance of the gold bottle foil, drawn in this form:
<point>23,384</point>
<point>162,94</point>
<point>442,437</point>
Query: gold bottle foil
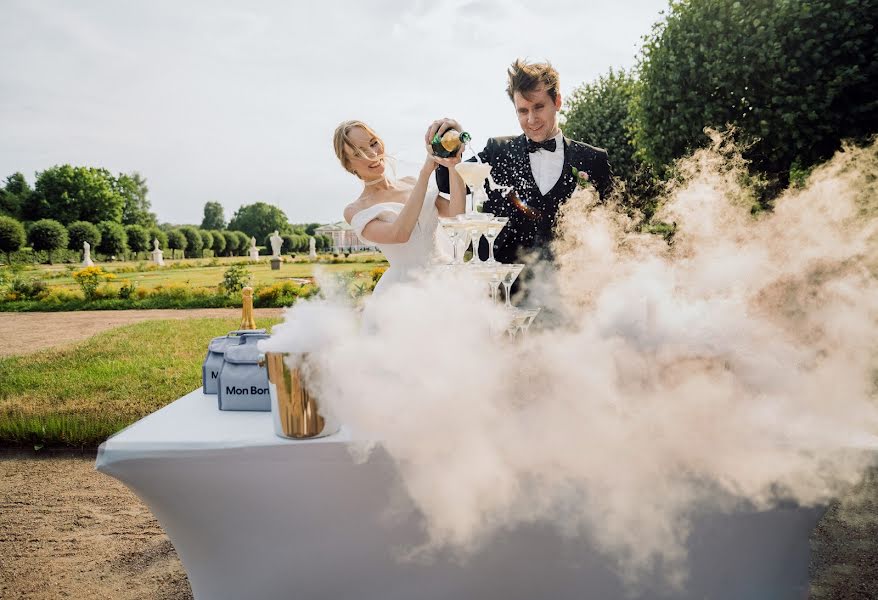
<point>298,410</point>
<point>247,319</point>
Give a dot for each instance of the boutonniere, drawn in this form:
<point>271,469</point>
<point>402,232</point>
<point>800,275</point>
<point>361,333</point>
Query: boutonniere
<point>581,177</point>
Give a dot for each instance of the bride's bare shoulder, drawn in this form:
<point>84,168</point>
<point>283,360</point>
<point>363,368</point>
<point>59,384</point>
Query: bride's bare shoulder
<point>409,179</point>
<point>353,208</point>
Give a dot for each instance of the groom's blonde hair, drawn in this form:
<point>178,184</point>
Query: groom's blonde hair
<point>341,140</point>
<point>525,77</point>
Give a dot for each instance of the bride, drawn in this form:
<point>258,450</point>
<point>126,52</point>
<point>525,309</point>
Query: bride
<point>400,216</point>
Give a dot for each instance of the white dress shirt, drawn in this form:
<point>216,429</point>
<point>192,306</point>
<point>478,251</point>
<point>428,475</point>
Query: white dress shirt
<point>547,166</point>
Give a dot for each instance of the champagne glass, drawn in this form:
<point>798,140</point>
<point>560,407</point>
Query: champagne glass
<point>491,233</point>
<point>509,277</point>
<point>475,233</point>
<point>456,233</point>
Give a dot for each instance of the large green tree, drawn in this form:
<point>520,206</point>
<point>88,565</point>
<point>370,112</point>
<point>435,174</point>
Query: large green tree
<point>214,216</point>
<point>114,240</point>
<point>243,243</point>
<point>138,238</point>
<point>793,77</point>
<point>136,210</point>
<point>206,240</point>
<point>259,220</point>
<point>157,234</point>
<point>218,243</point>
<point>14,195</point>
<point>11,236</point>
<point>194,241</point>
<point>176,241</point>
<point>68,194</point>
<point>232,241</point>
<point>48,235</point>
<point>82,231</point>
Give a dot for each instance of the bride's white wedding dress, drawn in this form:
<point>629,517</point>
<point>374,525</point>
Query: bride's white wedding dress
<point>427,245</point>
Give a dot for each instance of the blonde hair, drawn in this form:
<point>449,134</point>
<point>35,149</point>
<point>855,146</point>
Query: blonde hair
<point>341,140</point>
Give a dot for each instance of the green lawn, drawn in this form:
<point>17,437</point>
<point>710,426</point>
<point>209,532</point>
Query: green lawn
<point>79,395</point>
<point>207,276</point>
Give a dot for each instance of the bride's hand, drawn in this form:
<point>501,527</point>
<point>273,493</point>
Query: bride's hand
<point>440,126</point>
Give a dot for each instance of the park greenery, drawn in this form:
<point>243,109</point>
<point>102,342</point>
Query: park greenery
<point>185,283</point>
<point>80,395</point>
<point>790,80</point>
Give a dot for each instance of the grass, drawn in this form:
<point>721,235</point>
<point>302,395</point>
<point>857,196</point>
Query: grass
<point>80,395</point>
<point>206,276</point>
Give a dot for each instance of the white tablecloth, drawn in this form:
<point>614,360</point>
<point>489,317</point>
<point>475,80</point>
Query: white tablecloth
<point>253,516</point>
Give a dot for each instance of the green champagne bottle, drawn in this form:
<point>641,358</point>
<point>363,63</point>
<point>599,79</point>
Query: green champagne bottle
<point>449,143</point>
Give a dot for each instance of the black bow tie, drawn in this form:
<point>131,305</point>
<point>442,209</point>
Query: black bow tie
<point>533,146</point>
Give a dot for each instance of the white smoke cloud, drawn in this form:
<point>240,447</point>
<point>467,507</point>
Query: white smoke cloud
<point>735,366</point>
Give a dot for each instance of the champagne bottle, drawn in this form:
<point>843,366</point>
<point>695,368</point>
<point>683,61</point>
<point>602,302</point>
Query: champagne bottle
<point>247,319</point>
<point>448,144</point>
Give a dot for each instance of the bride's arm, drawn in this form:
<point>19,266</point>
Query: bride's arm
<point>457,204</point>
<point>400,230</point>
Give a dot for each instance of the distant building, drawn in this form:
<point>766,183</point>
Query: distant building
<point>343,237</point>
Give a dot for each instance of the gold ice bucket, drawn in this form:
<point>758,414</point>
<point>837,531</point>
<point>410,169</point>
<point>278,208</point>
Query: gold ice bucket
<point>295,411</point>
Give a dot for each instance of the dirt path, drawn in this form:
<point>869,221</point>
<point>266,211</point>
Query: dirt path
<point>29,332</point>
<point>67,531</point>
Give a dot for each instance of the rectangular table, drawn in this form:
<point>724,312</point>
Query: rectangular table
<point>255,516</point>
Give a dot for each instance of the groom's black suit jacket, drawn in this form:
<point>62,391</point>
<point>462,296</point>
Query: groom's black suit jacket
<point>532,215</point>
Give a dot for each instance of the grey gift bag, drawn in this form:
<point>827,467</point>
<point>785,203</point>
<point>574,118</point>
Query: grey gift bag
<point>216,351</point>
<point>243,383</point>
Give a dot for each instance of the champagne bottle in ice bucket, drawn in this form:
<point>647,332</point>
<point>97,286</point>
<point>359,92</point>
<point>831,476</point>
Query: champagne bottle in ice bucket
<point>449,143</point>
<point>247,319</point>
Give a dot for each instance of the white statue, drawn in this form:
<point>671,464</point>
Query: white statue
<point>156,254</point>
<point>312,248</point>
<point>276,243</point>
<point>254,252</point>
<point>86,255</point>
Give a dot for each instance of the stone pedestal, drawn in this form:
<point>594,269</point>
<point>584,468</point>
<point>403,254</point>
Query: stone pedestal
<point>157,257</point>
<point>254,255</point>
<point>275,263</point>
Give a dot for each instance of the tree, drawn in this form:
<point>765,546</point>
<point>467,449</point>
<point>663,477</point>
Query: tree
<point>14,194</point>
<point>206,240</point>
<point>324,242</point>
<point>598,113</point>
<point>48,235</point>
<point>259,220</point>
<point>70,194</point>
<point>138,238</point>
<point>232,241</point>
<point>114,240</point>
<point>794,78</point>
<point>289,244</point>
<point>157,234</point>
<point>214,216</point>
<point>219,243</point>
<point>194,243</point>
<point>243,243</point>
<point>133,190</point>
<point>82,231</point>
<point>11,236</point>
<point>177,241</point>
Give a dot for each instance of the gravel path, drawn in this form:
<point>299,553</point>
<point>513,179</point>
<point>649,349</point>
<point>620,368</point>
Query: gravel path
<point>30,332</point>
<point>67,531</point>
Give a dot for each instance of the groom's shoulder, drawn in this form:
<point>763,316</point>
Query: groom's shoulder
<point>501,141</point>
<point>586,150</point>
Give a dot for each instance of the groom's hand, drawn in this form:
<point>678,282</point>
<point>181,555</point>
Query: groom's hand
<point>441,126</point>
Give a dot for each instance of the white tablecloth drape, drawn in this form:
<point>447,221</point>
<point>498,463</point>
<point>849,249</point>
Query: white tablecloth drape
<point>253,516</point>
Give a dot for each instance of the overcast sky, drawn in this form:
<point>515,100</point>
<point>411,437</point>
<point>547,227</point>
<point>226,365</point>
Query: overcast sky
<point>237,102</point>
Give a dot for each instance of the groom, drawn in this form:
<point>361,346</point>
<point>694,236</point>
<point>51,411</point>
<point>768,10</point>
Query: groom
<point>541,166</point>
